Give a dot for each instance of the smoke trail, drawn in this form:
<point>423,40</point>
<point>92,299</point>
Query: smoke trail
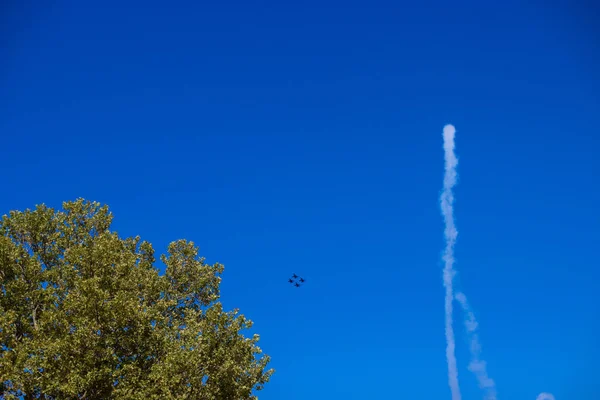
<point>476,366</point>
<point>450,233</point>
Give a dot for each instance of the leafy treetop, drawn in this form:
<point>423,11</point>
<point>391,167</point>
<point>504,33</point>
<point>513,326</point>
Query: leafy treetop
<point>84,314</point>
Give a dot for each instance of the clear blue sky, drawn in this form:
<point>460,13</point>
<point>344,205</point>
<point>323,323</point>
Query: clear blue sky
<point>306,138</point>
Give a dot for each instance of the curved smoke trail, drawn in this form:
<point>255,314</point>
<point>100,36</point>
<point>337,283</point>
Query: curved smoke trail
<point>476,366</point>
<point>446,200</point>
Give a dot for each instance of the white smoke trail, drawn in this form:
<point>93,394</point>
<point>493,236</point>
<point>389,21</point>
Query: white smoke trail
<point>476,366</point>
<point>450,233</point>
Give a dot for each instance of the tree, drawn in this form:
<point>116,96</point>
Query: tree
<point>84,314</point>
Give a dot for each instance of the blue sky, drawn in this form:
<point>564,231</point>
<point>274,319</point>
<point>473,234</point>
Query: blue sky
<point>306,138</point>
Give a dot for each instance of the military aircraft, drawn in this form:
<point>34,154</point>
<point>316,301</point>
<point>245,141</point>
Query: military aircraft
<point>290,281</point>
<point>294,276</point>
<point>296,284</point>
<point>301,280</point>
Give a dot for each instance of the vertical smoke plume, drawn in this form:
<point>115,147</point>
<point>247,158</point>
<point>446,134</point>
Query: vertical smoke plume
<point>450,233</point>
<point>476,366</point>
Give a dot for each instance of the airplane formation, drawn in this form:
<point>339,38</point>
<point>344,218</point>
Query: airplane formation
<point>295,279</point>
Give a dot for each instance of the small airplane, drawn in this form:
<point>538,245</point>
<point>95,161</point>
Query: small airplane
<point>296,284</point>
<point>290,281</point>
<point>302,280</point>
<point>294,276</point>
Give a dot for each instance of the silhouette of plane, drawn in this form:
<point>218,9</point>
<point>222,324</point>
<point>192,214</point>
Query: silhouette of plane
<point>302,280</point>
<point>294,276</point>
<point>290,281</point>
<point>296,284</point>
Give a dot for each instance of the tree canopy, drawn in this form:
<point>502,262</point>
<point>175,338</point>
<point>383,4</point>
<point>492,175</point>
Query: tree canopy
<point>85,314</point>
